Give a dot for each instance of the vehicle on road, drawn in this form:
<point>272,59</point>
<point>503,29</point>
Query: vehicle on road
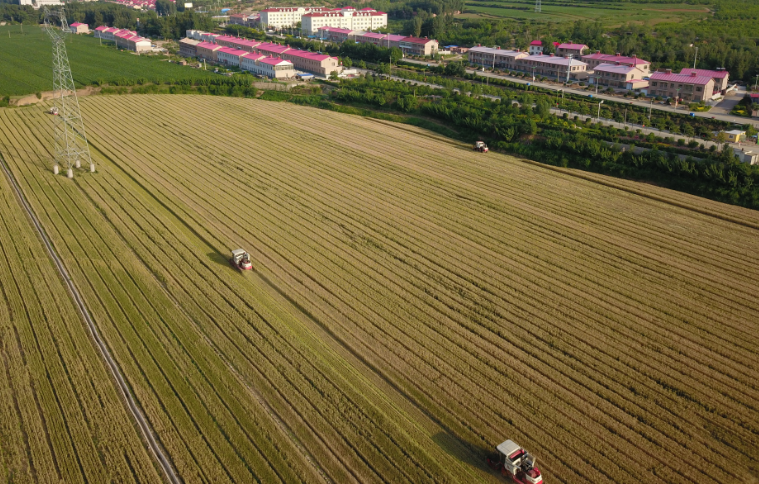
<point>481,147</point>
<point>515,462</point>
<point>241,260</point>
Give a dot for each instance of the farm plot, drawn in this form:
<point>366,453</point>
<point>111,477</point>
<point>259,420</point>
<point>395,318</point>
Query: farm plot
<point>62,419</point>
<point>414,303</point>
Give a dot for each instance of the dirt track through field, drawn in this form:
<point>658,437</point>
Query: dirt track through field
<point>134,409</point>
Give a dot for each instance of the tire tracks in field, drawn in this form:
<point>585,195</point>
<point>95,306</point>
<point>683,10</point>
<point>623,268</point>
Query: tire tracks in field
<point>132,405</point>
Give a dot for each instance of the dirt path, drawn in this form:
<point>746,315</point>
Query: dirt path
<point>133,407</point>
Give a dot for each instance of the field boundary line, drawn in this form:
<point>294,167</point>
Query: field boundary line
<point>133,407</point>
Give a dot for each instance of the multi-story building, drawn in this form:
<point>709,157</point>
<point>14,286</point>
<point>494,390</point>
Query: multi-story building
<point>188,47</point>
<point>418,46</point>
<point>537,64</point>
<point>567,49</point>
<point>536,47</point>
<point>343,18</point>
<point>238,19</point>
<point>687,87</point>
<point>598,58</point>
<point>229,56</point>
<point>273,67</point>
<point>207,51</point>
<point>335,34</point>
<point>495,57</point>
<point>279,17</point>
<point>79,28</point>
<point>618,76</point>
<point>371,38</point>
<point>720,77</point>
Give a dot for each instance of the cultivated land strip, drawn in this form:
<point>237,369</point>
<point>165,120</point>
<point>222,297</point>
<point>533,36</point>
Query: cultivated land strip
<point>134,409</point>
<point>613,335</point>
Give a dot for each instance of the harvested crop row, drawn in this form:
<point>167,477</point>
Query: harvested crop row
<point>62,416</point>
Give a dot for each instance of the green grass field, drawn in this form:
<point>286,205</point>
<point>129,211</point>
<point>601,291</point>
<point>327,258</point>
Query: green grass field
<point>26,60</point>
<point>608,12</point>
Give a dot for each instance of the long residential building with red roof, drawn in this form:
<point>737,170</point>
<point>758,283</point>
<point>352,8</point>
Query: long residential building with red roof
<point>689,87</point>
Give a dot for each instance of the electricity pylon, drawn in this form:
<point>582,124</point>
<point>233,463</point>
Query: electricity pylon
<point>71,148</point>
<point>537,6</point>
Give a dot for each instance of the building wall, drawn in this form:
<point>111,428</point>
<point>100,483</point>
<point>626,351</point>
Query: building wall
<point>352,21</point>
<point>616,79</point>
<point>688,92</point>
<point>187,49</point>
<point>263,69</point>
<point>413,48</point>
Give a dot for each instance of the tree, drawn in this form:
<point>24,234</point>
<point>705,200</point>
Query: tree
<point>455,69</point>
<point>688,130</point>
<point>165,7</point>
<point>333,75</point>
<point>416,26</point>
<point>721,138</point>
<point>347,62</point>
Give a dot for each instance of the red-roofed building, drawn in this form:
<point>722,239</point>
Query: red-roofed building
<point>207,51</point>
<point>79,28</point>
<point>321,64</point>
<point>617,76</point>
<point>230,56</point>
<point>536,47</point>
<point>598,58</point>
<point>279,17</point>
<point>720,77</point>
<point>238,19</point>
<point>269,66</point>
<point>188,47</point>
<point>689,88</point>
<point>343,18</point>
<point>418,46</point>
<point>575,50</point>
<point>371,38</point>
<point>334,34</point>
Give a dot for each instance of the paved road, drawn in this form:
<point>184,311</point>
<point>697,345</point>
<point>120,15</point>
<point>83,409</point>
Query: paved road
<point>720,114</point>
<point>134,409</point>
<point>644,130</point>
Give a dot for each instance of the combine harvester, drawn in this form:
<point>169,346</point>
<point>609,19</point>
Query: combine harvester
<point>513,461</point>
<point>241,260</point>
<point>481,147</point>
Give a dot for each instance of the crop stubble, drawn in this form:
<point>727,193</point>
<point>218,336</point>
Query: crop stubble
<point>611,334</point>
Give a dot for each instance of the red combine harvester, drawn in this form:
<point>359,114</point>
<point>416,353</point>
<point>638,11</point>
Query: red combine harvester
<point>513,461</point>
<point>241,260</point>
<point>481,147</point>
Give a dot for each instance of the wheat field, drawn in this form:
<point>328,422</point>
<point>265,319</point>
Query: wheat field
<point>412,304</point>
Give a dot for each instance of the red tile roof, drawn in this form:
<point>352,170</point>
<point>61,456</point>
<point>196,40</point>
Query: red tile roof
<point>536,42</point>
<point>417,40</point>
<point>705,72</point>
<point>662,76</point>
<point>573,46</point>
<point>608,58</point>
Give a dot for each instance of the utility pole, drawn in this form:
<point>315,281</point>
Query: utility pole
<point>756,82</point>
<point>650,108</point>
<point>569,66</point>
<point>598,118</point>
<point>70,144</point>
<point>695,57</point>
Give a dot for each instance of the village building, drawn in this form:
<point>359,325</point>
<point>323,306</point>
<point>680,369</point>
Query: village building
<point>691,87</point>
<point>720,77</point>
<point>418,46</point>
<point>269,66</point>
<point>229,56</point>
<point>336,34</point>
<point>79,28</point>
<point>569,49</point>
<point>617,76</point>
<point>279,17</point>
<point>188,47</point>
<point>343,18</point>
<point>207,51</point>
<point>593,60</point>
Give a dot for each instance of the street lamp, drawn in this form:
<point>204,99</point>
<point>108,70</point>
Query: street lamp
<point>598,118</point>
<point>533,74</point>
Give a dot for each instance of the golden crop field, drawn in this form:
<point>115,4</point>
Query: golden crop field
<point>412,304</point>
<point>61,419</point>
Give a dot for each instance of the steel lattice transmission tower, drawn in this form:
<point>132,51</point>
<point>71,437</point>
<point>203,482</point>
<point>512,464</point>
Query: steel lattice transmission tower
<point>71,147</point>
<point>537,6</point>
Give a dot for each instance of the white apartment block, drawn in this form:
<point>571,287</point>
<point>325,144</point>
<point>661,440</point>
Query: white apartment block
<point>279,17</point>
<point>343,18</point>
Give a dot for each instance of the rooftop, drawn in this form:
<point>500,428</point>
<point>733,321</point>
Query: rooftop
<point>552,59</point>
<point>663,76</point>
<point>274,61</point>
<point>616,58</point>
<point>616,68</point>
<point>573,46</point>
<point>536,42</point>
<point>373,35</point>
<point>232,51</point>
<point>208,45</point>
<point>705,72</point>
<point>77,24</point>
<point>417,40</point>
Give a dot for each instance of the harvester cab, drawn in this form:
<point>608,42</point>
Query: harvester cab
<point>53,111</point>
<point>241,260</point>
<point>515,462</point>
<point>481,147</point>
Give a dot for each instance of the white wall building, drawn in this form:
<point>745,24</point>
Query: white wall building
<point>343,18</point>
<point>279,17</point>
<point>269,66</point>
<point>36,4</point>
